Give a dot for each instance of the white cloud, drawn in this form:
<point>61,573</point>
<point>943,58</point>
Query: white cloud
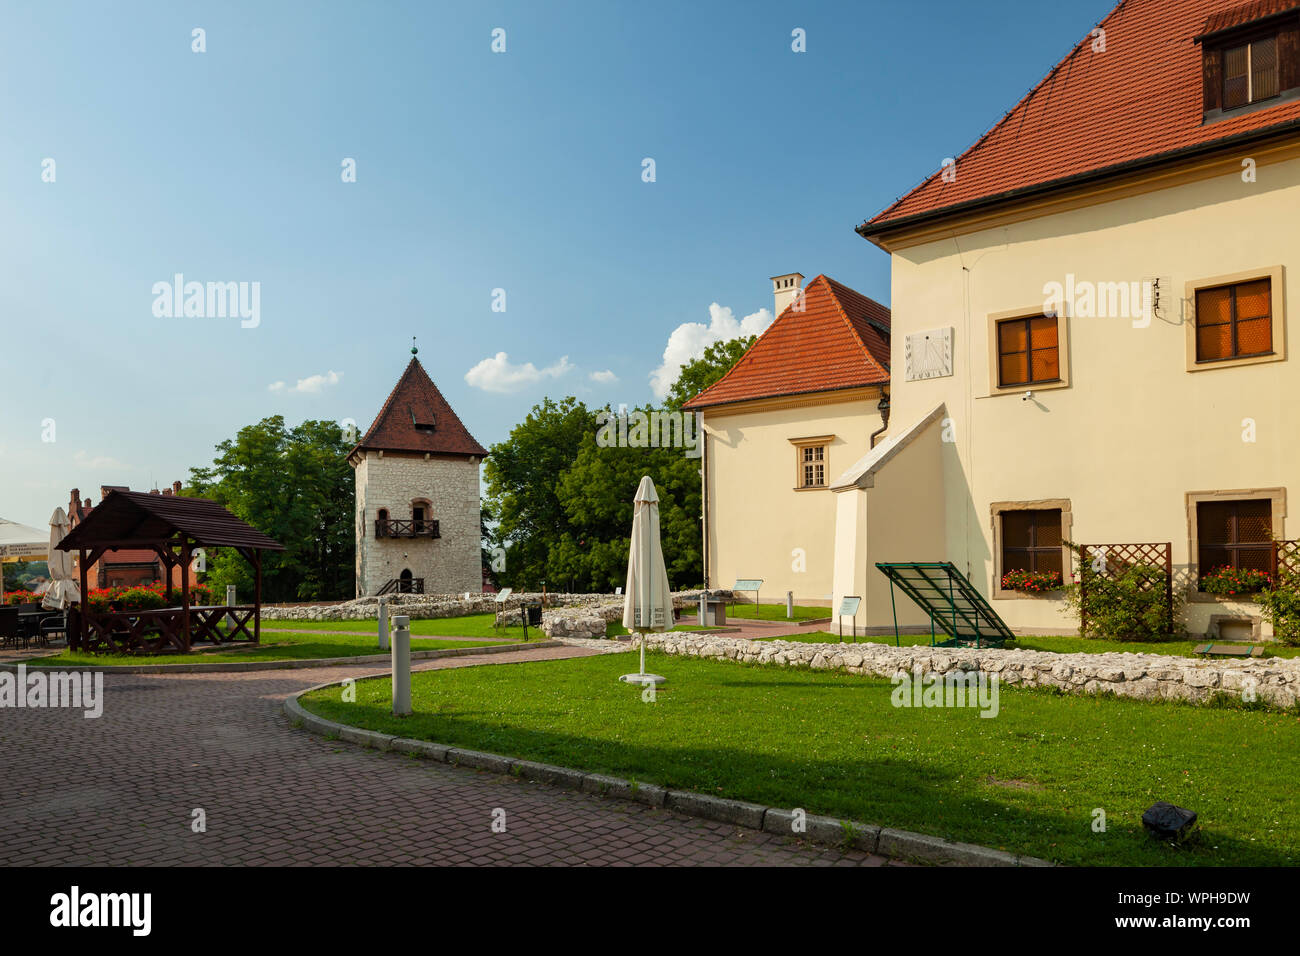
<point>604,378</point>
<point>690,339</point>
<point>498,374</point>
<point>309,385</point>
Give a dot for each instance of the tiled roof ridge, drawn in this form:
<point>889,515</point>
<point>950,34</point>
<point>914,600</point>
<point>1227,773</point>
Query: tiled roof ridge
<point>450,431</point>
<point>820,287</point>
<point>831,284</point>
<point>1025,99</point>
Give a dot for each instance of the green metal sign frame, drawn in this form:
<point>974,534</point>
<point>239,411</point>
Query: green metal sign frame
<point>954,605</point>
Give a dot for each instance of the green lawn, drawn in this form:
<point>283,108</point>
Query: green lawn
<point>1025,781</point>
<point>274,647</point>
<point>470,625</point>
<point>776,612</point>
<point>1059,645</point>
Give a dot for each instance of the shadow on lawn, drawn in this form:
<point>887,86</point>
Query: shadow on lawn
<point>887,792</point>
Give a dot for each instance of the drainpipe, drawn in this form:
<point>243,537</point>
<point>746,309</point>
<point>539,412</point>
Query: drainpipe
<point>704,497</point>
<point>883,407</point>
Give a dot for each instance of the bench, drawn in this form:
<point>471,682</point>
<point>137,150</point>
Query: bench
<point>1230,650</point>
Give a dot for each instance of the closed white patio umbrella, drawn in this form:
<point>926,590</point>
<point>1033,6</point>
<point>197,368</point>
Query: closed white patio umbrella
<point>647,604</point>
<point>63,589</point>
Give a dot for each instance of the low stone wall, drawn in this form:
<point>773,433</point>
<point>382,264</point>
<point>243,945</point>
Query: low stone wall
<point>576,607</point>
<point>588,621</point>
<point>1144,676</point>
<point>420,606</point>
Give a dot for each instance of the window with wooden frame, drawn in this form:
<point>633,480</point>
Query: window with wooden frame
<point>1032,540</point>
<point>812,466</point>
<point>1234,321</point>
<point>1234,534</point>
<point>1251,63</point>
<point>1028,351</point>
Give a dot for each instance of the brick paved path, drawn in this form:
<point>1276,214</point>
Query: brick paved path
<point>120,790</point>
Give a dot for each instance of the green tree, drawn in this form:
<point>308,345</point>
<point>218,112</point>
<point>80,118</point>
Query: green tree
<point>295,485</point>
<point>522,475</point>
<point>697,375</point>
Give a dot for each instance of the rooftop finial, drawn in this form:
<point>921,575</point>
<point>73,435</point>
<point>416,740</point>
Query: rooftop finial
<point>414,350</point>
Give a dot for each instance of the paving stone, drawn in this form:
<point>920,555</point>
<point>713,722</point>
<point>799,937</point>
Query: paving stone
<point>279,796</point>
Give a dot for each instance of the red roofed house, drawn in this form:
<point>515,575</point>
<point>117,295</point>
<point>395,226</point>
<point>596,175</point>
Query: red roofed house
<point>801,405</point>
<point>417,495</point>
<point>1093,309</point>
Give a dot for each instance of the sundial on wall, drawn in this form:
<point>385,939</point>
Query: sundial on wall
<point>928,354</point>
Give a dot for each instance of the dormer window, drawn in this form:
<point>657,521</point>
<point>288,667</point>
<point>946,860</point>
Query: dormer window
<point>1250,73</point>
<point>1250,64</point>
<point>422,419</point>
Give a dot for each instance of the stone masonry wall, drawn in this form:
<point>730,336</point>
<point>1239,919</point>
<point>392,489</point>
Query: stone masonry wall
<point>1275,681</point>
<point>449,564</point>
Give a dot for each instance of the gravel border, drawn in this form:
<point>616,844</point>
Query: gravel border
<point>885,841</point>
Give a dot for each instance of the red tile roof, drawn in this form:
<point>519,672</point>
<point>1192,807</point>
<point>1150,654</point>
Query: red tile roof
<point>1139,100</point>
<point>1244,13</point>
<point>129,556</point>
<point>839,340</point>
<point>415,400</point>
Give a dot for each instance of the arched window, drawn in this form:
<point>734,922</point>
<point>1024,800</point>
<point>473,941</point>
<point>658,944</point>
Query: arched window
<point>405,578</point>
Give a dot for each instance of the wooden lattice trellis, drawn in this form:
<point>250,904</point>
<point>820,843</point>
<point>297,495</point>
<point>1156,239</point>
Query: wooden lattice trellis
<point>1107,560</point>
<point>1286,558</point>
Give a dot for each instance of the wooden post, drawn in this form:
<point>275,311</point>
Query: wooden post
<point>257,597</point>
<point>85,600</point>
<point>185,592</point>
<point>1083,590</point>
<point>1169,584</point>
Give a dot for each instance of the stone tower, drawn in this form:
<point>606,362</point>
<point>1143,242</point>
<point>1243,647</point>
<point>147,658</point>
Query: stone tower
<point>417,484</point>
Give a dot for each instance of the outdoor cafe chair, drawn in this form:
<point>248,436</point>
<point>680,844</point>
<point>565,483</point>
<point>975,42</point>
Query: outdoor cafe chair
<point>9,632</point>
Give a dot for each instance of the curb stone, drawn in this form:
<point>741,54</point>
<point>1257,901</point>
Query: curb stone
<point>297,663</point>
<point>821,829</point>
<point>479,760</point>
<point>884,841</point>
<point>723,810</point>
<point>904,843</point>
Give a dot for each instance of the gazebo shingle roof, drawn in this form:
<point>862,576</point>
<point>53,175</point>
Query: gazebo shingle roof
<point>130,518</point>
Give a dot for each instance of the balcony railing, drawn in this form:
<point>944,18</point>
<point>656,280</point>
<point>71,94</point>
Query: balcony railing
<point>407,528</point>
<point>403,586</point>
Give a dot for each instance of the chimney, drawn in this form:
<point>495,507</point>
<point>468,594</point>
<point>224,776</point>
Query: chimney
<point>786,289</point>
<point>176,487</point>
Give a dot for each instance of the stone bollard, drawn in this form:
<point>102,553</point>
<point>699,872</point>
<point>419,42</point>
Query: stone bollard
<point>789,604</point>
<point>401,665</point>
<point>383,623</point>
<point>230,602</point>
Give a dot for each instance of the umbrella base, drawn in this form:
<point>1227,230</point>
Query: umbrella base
<point>642,679</point>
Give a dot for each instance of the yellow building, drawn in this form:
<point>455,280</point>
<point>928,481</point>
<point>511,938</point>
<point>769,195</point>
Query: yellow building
<point>1091,311</point>
<point>800,406</point>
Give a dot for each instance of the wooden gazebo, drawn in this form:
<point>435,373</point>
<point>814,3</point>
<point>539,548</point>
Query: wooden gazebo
<point>173,527</point>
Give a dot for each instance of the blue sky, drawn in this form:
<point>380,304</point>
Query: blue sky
<point>475,171</point>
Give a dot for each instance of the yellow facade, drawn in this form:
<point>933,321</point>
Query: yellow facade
<point>758,523</point>
<point>1136,432</point>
